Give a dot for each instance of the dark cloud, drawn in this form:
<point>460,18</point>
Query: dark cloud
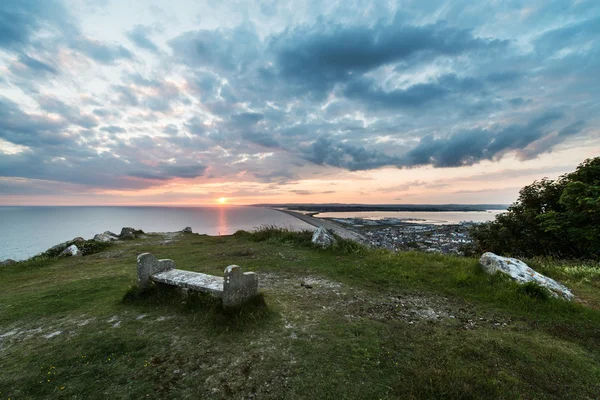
<point>140,36</point>
<point>113,129</point>
<point>224,49</point>
<point>126,96</point>
<point>70,113</point>
<point>472,146</point>
<point>166,172</point>
<point>21,19</point>
<point>37,66</point>
<point>22,128</point>
<point>261,138</point>
<point>354,158</point>
<point>104,53</point>
<point>325,53</point>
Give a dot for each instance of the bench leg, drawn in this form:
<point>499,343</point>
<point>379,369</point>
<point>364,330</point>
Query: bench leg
<point>148,265</point>
<point>238,287</point>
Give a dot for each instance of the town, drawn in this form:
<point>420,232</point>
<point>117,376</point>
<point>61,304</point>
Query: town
<point>400,234</point>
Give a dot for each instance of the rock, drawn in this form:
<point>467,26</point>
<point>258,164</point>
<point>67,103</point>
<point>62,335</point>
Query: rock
<point>520,272</point>
<point>187,229</point>
<point>128,233</point>
<point>72,250</point>
<point>322,238</point>
<point>103,237</point>
<point>109,233</point>
<point>7,262</point>
<point>57,249</point>
<point>77,240</point>
<point>127,236</point>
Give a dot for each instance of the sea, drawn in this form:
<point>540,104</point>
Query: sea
<point>27,231</point>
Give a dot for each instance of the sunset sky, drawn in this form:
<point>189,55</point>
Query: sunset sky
<point>184,102</point>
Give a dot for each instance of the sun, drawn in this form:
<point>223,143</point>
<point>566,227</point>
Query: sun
<point>222,200</point>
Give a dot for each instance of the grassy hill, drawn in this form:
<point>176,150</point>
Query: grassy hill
<point>342,323</point>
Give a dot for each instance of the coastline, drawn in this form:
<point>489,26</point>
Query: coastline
<point>337,229</point>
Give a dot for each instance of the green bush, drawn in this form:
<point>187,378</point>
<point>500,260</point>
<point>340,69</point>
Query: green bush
<point>559,218</point>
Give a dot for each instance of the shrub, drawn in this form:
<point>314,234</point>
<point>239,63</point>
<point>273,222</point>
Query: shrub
<point>558,218</point>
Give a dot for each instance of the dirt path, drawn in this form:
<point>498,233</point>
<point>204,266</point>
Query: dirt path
<point>338,230</point>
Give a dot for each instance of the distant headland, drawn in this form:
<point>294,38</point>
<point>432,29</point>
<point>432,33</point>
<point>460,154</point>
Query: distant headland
<point>339,207</point>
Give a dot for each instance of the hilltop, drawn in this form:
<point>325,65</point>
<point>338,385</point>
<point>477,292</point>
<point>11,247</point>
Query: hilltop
<point>347,322</point>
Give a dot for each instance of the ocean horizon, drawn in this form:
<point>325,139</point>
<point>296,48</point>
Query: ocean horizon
<point>29,230</point>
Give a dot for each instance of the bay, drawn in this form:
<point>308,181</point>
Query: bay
<point>420,217</point>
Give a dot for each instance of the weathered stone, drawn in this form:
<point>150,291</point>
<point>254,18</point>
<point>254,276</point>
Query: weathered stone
<point>127,236</point>
<point>77,240</point>
<point>239,286</point>
<point>322,238</point>
<point>109,233</point>
<point>58,248</point>
<point>235,288</point>
<point>187,229</point>
<point>7,262</point>
<point>72,250</point>
<point>520,272</point>
<point>130,233</point>
<point>103,237</point>
<point>148,265</point>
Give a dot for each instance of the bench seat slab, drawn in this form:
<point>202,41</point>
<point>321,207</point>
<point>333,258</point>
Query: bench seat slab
<point>191,280</point>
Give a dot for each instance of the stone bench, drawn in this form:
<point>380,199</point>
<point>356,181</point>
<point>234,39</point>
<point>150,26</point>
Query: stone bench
<point>235,288</point>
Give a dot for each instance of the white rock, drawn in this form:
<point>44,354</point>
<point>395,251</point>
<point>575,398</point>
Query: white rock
<point>103,237</point>
<point>72,250</point>
<point>520,272</point>
<point>322,238</point>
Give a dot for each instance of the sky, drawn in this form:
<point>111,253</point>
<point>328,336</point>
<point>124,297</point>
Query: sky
<point>185,102</point>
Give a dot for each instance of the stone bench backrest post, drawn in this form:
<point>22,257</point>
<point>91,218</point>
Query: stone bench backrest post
<point>238,286</point>
<point>148,265</point>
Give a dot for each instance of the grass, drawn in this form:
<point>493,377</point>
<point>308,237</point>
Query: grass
<point>346,322</point>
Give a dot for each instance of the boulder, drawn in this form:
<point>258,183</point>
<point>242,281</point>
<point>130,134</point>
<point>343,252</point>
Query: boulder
<point>322,238</point>
<point>7,262</point>
<point>520,272</point>
<point>127,236</point>
<point>103,237</point>
<point>109,233</point>
<point>54,250</point>
<point>130,233</point>
<point>72,250</point>
<point>187,229</point>
<point>77,240</point>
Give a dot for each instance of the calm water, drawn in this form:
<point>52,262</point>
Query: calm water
<point>436,218</point>
<point>26,231</point>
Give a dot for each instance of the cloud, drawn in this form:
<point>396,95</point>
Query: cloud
<point>37,66</point>
<point>21,19</point>
<point>325,53</point>
<point>140,36</point>
<point>102,52</point>
<point>70,113</point>
<point>32,130</point>
<point>223,49</point>
<point>471,146</point>
<point>354,158</point>
<point>113,129</point>
<point>166,172</point>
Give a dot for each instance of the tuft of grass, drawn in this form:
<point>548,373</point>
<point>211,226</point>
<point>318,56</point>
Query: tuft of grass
<point>535,291</point>
<point>282,236</point>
